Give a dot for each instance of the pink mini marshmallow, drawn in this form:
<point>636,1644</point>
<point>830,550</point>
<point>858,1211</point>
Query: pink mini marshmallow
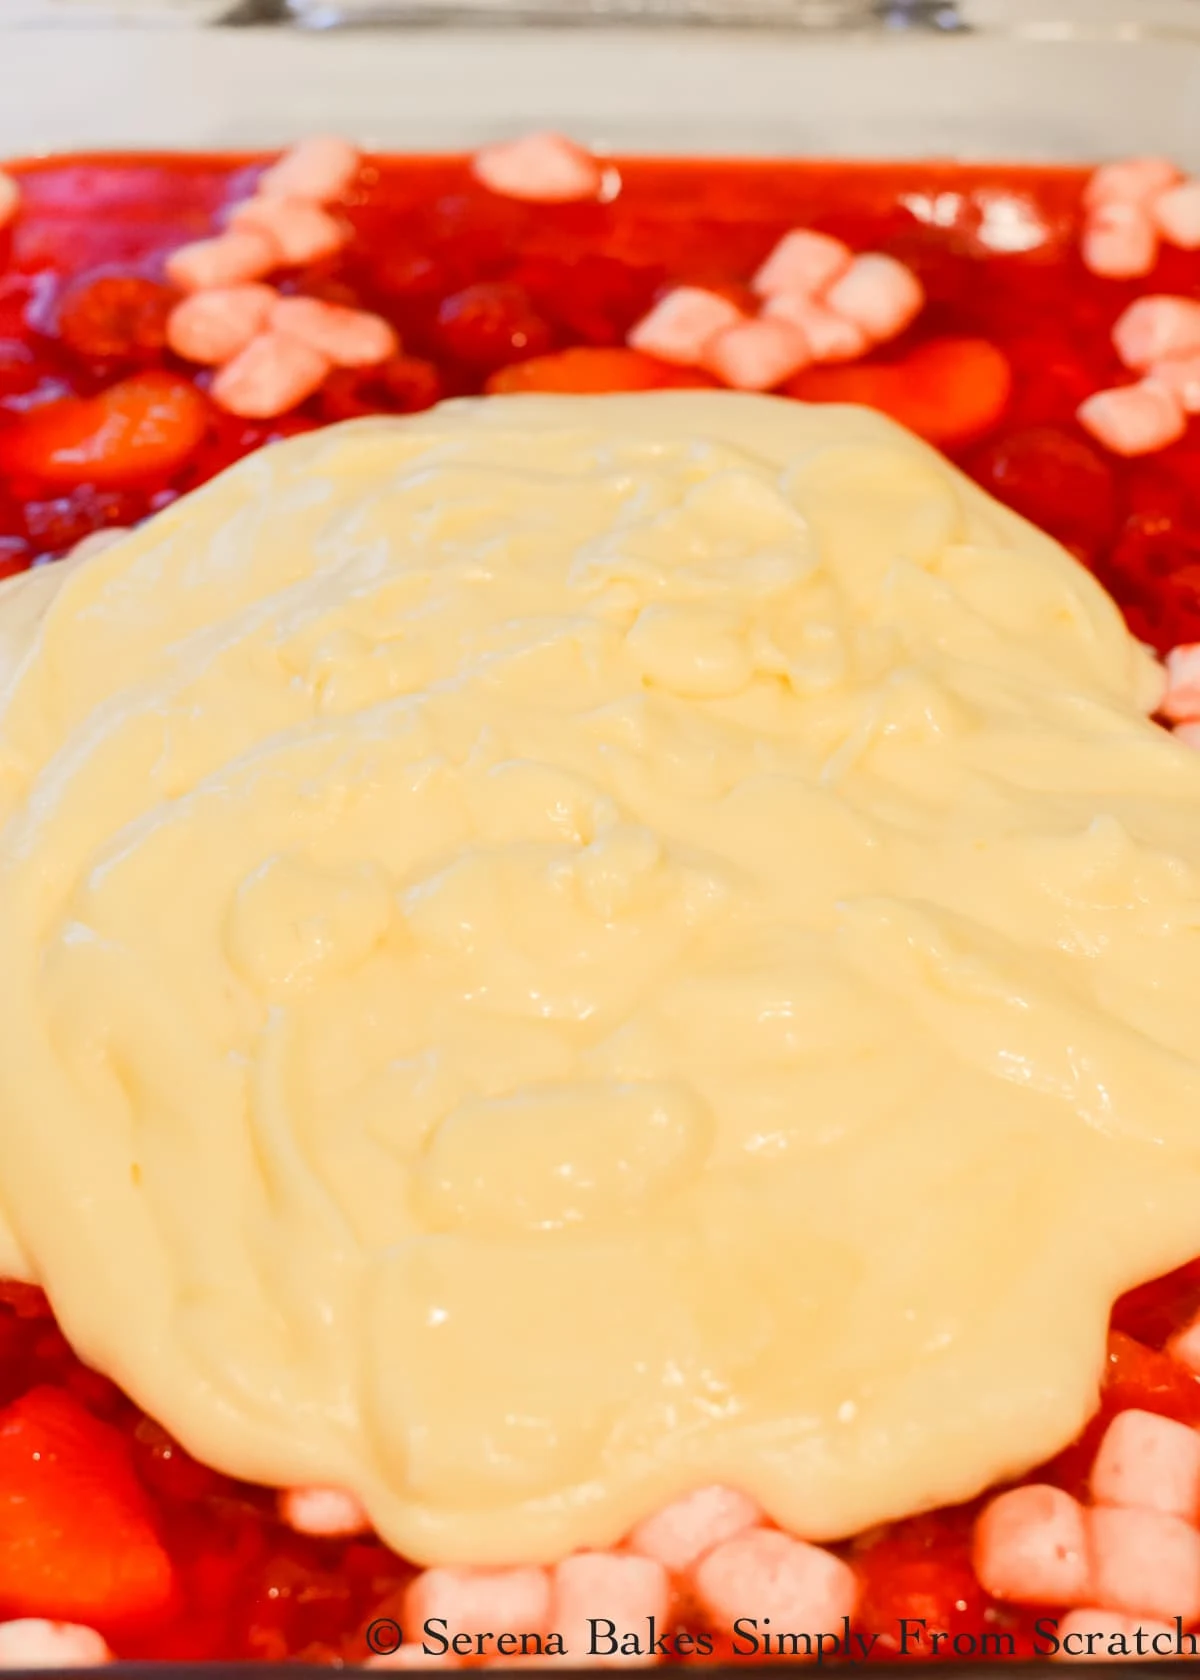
<point>1188,734</point>
<point>228,260</point>
<point>1031,1547</point>
<point>541,168</point>
<point>1145,1563</point>
<point>319,169</point>
<point>1184,1345</point>
<point>1147,1461</point>
<point>10,199</point>
<point>879,294</point>
<point>1084,1635</point>
<point>757,355</point>
<point>683,1531</point>
<point>351,338</point>
<point>324,1511</point>
<point>830,337</point>
<point>682,324</point>
<point>1130,181</point>
<point>1177,215</point>
<point>481,1600</point>
<point>619,1587</point>
<point>273,374</point>
<point>213,326</point>
<point>1155,329</point>
<point>1181,703</point>
<point>33,1643</point>
<point>804,262</point>
<point>1120,242</point>
<point>301,232</point>
<point>1134,419</point>
<point>1181,376</point>
<point>764,1573</point>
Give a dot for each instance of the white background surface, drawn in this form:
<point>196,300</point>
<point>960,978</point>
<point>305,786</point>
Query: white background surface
<point>657,91</point>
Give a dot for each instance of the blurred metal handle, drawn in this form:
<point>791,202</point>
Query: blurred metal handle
<point>816,15</point>
<point>255,12</point>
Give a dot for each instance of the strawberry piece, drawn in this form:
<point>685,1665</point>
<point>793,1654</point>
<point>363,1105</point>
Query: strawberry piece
<point>594,298</point>
<point>583,370</point>
<point>1141,1378</point>
<point>77,1540</point>
<point>166,1468</point>
<point>1055,480</point>
<point>145,427</point>
<point>58,523</point>
<point>117,318</point>
<point>948,391</point>
<point>403,385</point>
<point>491,324</point>
<point>229,439</point>
<point>1153,1313</point>
<point>914,1571</point>
<point>22,369</point>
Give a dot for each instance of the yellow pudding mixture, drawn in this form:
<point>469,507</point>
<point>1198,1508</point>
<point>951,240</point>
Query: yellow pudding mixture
<point>562,949</point>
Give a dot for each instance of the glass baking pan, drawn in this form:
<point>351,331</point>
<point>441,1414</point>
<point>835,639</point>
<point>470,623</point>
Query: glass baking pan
<point>982,80</point>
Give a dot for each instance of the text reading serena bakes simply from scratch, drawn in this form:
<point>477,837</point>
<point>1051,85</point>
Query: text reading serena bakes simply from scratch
<point>749,1636</point>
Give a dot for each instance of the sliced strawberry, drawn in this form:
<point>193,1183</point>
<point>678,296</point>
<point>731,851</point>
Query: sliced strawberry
<point>584,370</point>
<point>145,427</point>
<point>948,391</point>
<point>77,1539</point>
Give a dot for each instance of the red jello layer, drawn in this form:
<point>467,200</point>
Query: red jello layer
<point>476,283</point>
<point>478,287</point>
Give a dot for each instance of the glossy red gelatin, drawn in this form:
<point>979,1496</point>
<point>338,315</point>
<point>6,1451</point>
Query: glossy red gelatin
<point>100,426</point>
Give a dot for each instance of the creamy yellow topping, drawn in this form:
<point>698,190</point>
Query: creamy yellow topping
<point>562,949</point>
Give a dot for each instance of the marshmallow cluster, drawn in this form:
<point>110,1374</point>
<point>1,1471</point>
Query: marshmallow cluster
<point>819,303</point>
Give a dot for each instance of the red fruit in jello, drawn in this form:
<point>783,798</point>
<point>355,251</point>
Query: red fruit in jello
<point>949,391</point>
<point>55,524</point>
<point>166,1468</point>
<point>489,325</point>
<point>584,369</point>
<point>1153,571</point>
<point>1154,1312</point>
<point>916,1572</point>
<point>77,1539</point>
<point>20,368</point>
<point>145,427</point>
<point>25,1299</point>
<point>1056,481</point>
<point>1135,1377</point>
<point>595,297</point>
<point>1141,1377</point>
<point>299,1598</point>
<point>116,318</point>
<point>1052,378</point>
<point>403,385</point>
